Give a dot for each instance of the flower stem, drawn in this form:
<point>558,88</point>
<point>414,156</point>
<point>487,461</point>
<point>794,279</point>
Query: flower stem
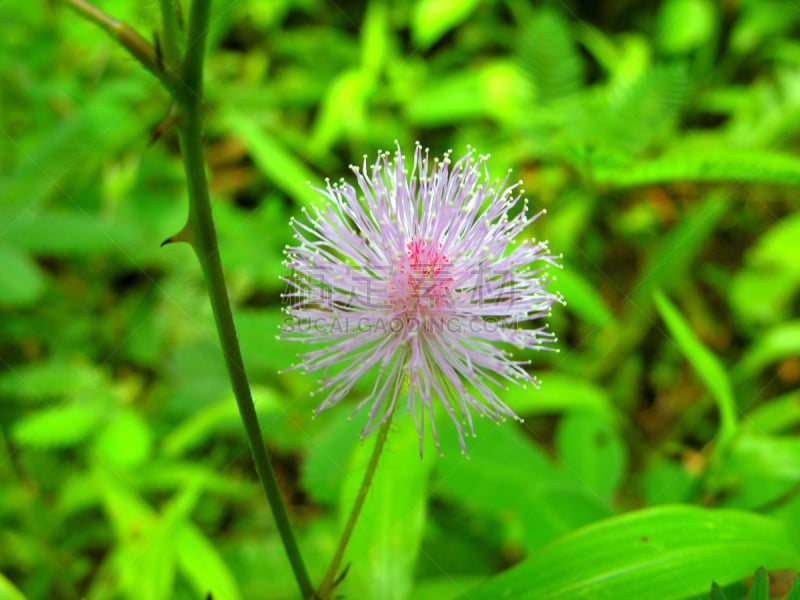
<point>186,89</point>
<point>204,241</point>
<point>329,582</point>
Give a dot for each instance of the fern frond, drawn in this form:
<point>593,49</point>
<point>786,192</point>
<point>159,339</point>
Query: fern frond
<point>549,56</point>
<point>644,111</point>
<point>707,166</point>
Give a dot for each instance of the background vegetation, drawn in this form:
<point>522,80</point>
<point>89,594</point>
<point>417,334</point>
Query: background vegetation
<point>659,136</point>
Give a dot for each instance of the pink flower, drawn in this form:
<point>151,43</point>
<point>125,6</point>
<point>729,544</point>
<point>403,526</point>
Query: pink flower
<point>418,279</point>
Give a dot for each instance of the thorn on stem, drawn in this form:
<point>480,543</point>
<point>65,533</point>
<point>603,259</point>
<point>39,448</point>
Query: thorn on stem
<point>165,125</point>
<point>186,234</point>
<point>343,574</point>
<point>159,51</point>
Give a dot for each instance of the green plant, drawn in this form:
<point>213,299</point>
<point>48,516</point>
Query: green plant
<point>662,141</point>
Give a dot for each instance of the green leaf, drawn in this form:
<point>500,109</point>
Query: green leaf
<point>201,563</point>
<point>445,587</point>
<point>639,113</point>
<point>496,458</point>
<point>717,593</point>
<point>434,18</point>
<point>775,415</point>
<point>69,234</point>
<point>684,25</point>
<point>126,441</point>
<point>583,298</point>
<point>151,564</point>
<point>21,281</point>
<point>151,545</point>
<point>771,274</point>
<point>375,38</point>
<point>263,352</point>
<point>491,90</point>
<point>794,593</point>
<point>520,486</point>
<point>383,549</point>
<point>667,482</point>
<point>251,261</point>
<point>779,342</point>
<point>761,23</point>
<point>128,513</point>
<point>707,366</point>
<point>343,112</point>
<point>759,589</point>
<point>775,295</point>
<point>220,416</point>
<point>274,159</point>
<point>91,130</point>
<point>560,393</point>
<point>46,380</point>
<point>706,166</point>
<point>145,558</point>
<point>675,253</point>
<point>259,565</point>
<point>662,552</point>
<point>776,248</point>
<point>552,509</point>
<point>323,470</point>
<point>592,453</point>
<point>62,426</point>
<point>548,55</point>
<point>8,591</point>
<point>763,457</point>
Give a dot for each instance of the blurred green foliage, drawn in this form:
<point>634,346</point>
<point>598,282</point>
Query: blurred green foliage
<point>661,453</point>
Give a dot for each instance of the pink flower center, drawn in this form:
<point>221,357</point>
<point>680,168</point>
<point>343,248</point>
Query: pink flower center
<point>427,283</point>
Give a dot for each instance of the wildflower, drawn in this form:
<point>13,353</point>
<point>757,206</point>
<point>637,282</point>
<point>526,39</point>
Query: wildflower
<point>418,278</point>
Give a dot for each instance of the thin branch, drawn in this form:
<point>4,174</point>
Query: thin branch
<point>330,580</point>
<point>129,38</point>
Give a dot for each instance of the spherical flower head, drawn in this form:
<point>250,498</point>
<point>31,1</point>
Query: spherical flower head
<point>421,277</point>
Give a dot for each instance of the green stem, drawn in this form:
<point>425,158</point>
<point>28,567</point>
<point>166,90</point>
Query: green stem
<point>329,582</point>
<point>169,33</point>
<point>188,93</point>
<point>205,245</point>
